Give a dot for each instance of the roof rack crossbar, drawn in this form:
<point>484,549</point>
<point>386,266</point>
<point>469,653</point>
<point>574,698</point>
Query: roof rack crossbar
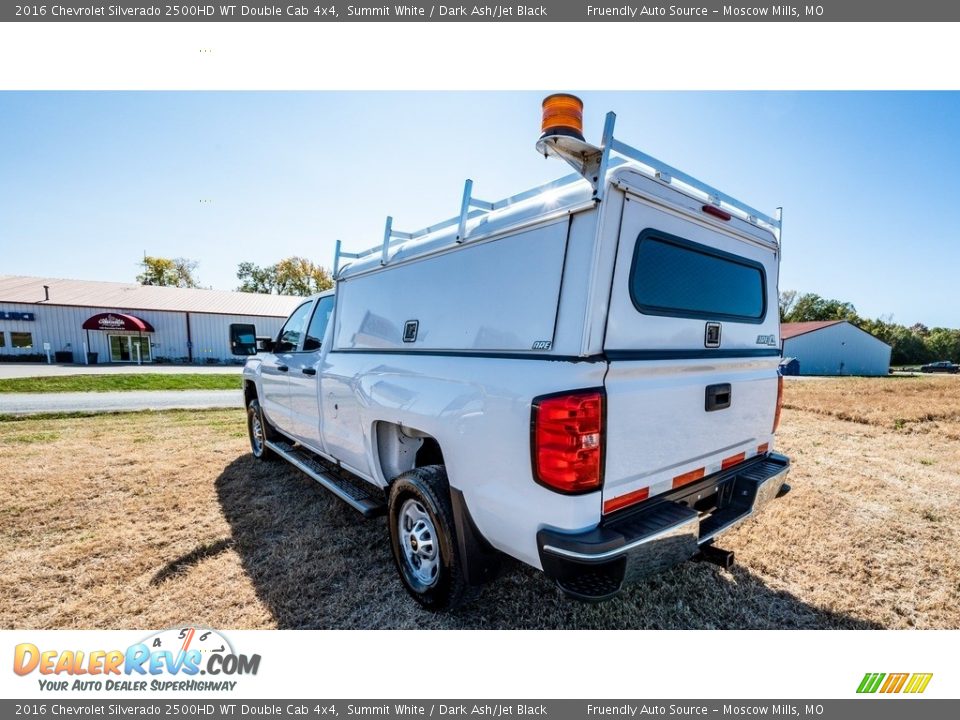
<point>480,207</point>
<point>606,145</point>
<point>466,203</point>
<point>603,161</point>
<point>668,174</point>
<point>389,235</point>
<point>339,253</point>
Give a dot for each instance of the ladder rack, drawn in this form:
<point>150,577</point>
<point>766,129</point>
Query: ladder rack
<point>479,208</point>
<point>592,163</point>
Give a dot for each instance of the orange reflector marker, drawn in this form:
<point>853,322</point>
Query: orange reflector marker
<point>562,115</point>
<point>762,449</point>
<point>733,460</point>
<point>629,499</point>
<point>687,478</point>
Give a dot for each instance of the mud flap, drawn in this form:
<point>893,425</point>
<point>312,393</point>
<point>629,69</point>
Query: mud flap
<point>481,562</point>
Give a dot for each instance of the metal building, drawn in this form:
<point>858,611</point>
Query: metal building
<point>127,322</point>
<point>834,347</point>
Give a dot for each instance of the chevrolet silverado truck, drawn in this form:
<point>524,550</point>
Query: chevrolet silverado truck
<point>583,377</point>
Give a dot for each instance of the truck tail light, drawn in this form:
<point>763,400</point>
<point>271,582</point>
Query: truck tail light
<point>567,441</point>
<point>776,415</point>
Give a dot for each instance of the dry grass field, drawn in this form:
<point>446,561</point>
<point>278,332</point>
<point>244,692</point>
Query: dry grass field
<point>154,519</point>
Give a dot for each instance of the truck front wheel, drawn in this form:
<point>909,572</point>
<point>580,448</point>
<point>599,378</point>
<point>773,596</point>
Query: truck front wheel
<point>259,431</point>
<point>422,535</point>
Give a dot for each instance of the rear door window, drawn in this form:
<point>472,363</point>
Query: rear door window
<point>292,332</point>
<point>318,325</point>
<point>677,277</point>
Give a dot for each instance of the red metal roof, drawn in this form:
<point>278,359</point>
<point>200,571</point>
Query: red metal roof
<point>789,330</point>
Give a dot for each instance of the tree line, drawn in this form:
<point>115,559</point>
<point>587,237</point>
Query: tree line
<point>911,345</point>
<point>290,276</point>
<point>298,276</point>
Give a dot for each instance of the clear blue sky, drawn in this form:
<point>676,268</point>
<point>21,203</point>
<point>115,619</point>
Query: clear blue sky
<point>90,181</point>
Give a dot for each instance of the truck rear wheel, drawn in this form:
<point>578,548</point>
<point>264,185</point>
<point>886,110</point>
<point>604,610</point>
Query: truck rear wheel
<point>259,431</point>
<point>423,538</point>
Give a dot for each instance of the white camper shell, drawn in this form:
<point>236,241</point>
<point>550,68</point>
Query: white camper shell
<point>583,377</point>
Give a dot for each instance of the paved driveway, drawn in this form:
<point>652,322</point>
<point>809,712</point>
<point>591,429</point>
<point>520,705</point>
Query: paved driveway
<point>19,370</point>
<point>29,403</point>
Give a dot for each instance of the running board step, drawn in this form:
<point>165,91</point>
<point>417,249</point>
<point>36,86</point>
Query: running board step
<point>334,479</point>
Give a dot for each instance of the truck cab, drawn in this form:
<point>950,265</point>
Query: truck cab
<point>288,372</point>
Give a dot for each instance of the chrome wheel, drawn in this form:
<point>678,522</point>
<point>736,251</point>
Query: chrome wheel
<point>256,432</point>
<point>419,542</point>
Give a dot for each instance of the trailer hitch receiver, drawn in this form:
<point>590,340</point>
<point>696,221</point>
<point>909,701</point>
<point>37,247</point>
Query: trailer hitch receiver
<point>718,556</point>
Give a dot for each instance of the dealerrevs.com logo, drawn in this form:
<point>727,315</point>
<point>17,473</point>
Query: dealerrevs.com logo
<point>169,660</point>
<point>890,683</point>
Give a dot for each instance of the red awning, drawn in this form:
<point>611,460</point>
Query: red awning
<point>117,321</point>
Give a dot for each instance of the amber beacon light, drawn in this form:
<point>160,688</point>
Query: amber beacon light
<point>562,115</point>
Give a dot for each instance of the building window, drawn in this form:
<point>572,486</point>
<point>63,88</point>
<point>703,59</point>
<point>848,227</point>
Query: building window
<point>21,340</point>
<point>3,339</point>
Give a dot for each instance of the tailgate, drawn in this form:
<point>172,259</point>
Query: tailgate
<point>693,344</point>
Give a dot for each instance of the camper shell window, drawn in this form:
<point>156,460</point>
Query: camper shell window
<point>680,278</point>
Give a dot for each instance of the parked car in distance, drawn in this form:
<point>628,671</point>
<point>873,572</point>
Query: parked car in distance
<point>943,366</point>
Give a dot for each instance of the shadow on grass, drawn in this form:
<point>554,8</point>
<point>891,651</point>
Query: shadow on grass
<point>183,563</point>
<point>315,563</point>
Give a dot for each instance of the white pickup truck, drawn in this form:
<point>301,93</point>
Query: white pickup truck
<point>582,376</point>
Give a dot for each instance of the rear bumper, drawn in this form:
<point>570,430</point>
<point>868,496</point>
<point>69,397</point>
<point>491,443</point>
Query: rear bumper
<point>659,533</point>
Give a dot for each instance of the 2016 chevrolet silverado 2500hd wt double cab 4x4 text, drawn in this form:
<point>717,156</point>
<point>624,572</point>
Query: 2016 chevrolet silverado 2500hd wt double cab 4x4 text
<point>583,377</point>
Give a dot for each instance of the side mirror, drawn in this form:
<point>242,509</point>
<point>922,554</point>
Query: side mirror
<point>265,344</point>
<point>243,339</point>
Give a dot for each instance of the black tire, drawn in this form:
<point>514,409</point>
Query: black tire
<point>255,418</point>
<point>425,489</point>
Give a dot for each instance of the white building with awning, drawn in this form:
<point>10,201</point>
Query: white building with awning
<point>130,323</point>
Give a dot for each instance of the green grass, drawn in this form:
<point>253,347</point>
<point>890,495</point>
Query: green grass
<point>178,414</point>
<point>132,381</point>
<point>34,437</point>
